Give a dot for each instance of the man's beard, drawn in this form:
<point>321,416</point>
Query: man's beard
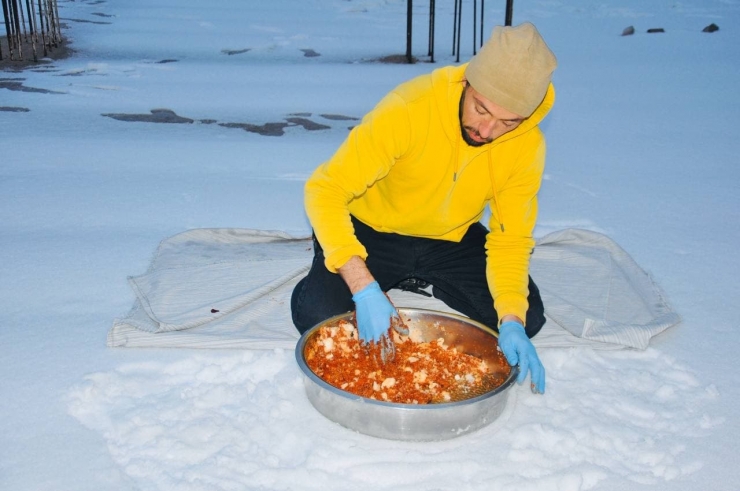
<point>463,131</point>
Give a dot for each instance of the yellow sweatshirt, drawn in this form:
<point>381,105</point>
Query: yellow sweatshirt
<point>406,169</point>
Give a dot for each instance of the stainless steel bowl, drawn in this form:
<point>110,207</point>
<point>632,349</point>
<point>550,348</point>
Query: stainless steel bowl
<point>419,422</point>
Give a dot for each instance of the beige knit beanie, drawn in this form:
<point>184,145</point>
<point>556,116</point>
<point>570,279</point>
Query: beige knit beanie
<point>513,69</point>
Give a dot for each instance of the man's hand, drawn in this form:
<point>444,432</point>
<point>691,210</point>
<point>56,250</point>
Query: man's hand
<point>519,349</point>
<point>374,312</point>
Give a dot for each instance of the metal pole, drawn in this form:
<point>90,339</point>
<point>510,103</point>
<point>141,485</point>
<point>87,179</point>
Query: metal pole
<point>482,9</point>
<point>459,28</point>
<point>58,23</point>
<point>52,23</point>
<point>509,12</point>
<point>23,19</point>
<point>17,28</point>
<point>431,16</point>
<point>431,29</point>
<point>454,26</point>
<point>475,20</point>
<point>8,28</point>
<point>30,18</point>
<point>32,27</point>
<point>408,31</point>
<point>43,30</point>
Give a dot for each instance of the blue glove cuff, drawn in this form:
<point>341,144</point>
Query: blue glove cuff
<point>510,325</point>
<point>371,289</point>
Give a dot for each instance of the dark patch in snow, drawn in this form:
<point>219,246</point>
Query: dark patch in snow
<point>303,115</point>
<point>308,124</point>
<point>16,84</point>
<point>86,21</point>
<point>628,31</point>
<point>711,28</point>
<point>267,129</point>
<point>12,109</point>
<point>156,116</point>
<point>231,52</point>
<point>339,117</point>
<point>395,59</point>
<point>101,14</point>
<point>309,53</point>
<point>168,60</point>
<point>45,69</point>
<point>655,29</point>
<point>278,129</point>
<point>78,73</point>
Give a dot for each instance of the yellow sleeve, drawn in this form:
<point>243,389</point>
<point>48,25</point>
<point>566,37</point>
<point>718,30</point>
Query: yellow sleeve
<point>509,250</point>
<point>367,155</point>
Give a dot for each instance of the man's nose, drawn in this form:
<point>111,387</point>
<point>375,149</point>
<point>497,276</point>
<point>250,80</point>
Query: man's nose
<point>485,130</point>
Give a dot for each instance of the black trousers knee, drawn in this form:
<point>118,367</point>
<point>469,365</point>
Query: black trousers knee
<point>456,271</point>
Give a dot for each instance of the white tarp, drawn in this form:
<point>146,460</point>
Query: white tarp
<point>230,288</point>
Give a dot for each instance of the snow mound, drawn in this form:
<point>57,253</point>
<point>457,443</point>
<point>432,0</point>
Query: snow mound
<point>242,421</point>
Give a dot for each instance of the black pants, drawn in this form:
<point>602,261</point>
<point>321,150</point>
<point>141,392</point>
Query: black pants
<point>456,271</point>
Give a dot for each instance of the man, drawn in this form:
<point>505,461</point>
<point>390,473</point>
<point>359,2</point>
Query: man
<point>402,197</point>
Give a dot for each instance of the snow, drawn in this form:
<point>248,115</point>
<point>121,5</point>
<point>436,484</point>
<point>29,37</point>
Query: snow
<point>222,422</point>
<point>641,146</point>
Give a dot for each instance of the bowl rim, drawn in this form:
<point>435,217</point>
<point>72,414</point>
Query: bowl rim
<point>307,372</point>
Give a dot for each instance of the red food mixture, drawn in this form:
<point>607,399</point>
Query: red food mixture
<point>419,373</point>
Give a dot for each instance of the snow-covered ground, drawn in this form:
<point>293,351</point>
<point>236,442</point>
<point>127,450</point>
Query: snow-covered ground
<point>642,146</point>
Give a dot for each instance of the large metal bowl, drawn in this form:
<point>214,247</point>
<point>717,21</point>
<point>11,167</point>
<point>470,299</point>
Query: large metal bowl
<point>419,422</point>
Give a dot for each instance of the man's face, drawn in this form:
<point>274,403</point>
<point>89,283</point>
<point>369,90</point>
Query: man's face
<point>481,120</point>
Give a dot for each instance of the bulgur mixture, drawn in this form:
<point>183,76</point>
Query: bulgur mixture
<point>419,373</point>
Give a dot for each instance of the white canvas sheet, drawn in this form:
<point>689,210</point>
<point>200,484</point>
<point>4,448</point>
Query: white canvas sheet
<point>230,288</point>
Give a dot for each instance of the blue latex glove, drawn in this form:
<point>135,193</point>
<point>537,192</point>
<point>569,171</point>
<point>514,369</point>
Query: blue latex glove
<point>519,349</point>
<point>374,312</point>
